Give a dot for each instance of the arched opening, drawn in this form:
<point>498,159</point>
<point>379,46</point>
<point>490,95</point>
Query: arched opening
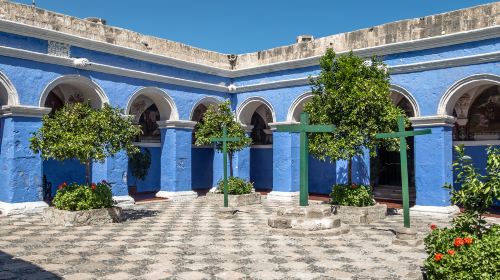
<point>68,90</point>
<point>386,167</point>
<point>256,114</point>
<point>148,106</point>
<point>202,163</point>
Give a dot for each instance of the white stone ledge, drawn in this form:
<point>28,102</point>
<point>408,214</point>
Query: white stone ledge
<point>283,196</point>
<point>177,124</point>
<point>8,209</point>
<point>124,201</point>
<point>447,211</point>
<point>178,196</point>
<point>438,120</point>
<point>23,111</point>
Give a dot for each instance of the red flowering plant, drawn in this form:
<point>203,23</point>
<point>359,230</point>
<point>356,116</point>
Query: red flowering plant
<point>75,197</point>
<point>351,195</point>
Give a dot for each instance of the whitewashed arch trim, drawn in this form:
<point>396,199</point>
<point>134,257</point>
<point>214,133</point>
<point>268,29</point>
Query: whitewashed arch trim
<point>413,102</point>
<point>297,104</point>
<point>453,93</point>
<point>207,100</point>
<point>73,79</point>
<point>165,104</point>
<point>246,109</point>
<point>12,97</point>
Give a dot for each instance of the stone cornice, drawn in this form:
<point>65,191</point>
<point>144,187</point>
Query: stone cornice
<point>177,124</point>
<point>274,125</point>
<point>23,111</point>
<point>438,120</point>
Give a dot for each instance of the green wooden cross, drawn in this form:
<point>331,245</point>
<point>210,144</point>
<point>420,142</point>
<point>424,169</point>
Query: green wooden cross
<point>304,127</point>
<point>402,134</point>
<point>224,139</point>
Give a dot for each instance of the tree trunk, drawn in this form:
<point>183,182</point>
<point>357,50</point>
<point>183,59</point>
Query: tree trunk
<point>349,171</point>
<point>87,172</point>
<point>230,164</point>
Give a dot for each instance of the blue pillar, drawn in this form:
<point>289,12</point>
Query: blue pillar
<point>218,171</point>
<point>114,171</point>
<point>20,168</point>
<point>286,166</point>
<point>241,161</point>
<point>433,160</point>
<point>175,171</point>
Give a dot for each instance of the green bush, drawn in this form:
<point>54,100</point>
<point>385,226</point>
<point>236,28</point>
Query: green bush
<point>76,197</point>
<point>351,195</point>
<point>460,255</point>
<point>235,185</point>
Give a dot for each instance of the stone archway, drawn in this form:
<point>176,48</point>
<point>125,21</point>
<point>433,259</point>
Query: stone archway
<point>256,114</point>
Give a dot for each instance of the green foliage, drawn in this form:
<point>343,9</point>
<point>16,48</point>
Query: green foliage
<point>235,185</point>
<point>140,163</point>
<point>355,97</point>
<point>87,134</point>
<point>477,192</point>
<point>457,255</point>
<point>76,197</point>
<point>351,195</point>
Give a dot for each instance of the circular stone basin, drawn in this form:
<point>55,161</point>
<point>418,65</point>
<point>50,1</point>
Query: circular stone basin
<point>305,218</point>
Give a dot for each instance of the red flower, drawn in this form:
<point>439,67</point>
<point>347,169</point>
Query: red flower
<point>94,186</point>
<point>438,257</point>
<point>468,240</point>
<point>353,186</point>
<point>433,226</point>
<point>458,242</point>
<point>451,252</point>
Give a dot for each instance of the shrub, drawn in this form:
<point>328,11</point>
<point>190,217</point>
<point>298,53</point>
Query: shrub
<point>352,195</point>
<point>454,254</point>
<point>76,197</point>
<point>140,163</point>
<point>235,185</point>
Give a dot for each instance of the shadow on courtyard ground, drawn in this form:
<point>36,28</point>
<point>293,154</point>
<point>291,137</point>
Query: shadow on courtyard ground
<point>137,214</point>
<point>14,268</point>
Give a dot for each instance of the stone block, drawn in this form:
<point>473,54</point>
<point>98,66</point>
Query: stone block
<point>361,215</point>
<point>235,200</point>
<point>82,218</point>
<point>304,218</point>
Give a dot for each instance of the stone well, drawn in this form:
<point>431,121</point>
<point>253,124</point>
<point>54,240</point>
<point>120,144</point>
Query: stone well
<point>313,218</point>
<point>82,218</point>
<point>361,215</point>
<point>234,200</point>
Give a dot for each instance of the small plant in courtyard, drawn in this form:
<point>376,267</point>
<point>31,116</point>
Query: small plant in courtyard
<point>74,197</point>
<point>235,185</point>
<point>354,95</point>
<point>352,195</point>
<point>84,133</point>
<point>140,163</point>
<point>214,119</point>
<point>469,249</point>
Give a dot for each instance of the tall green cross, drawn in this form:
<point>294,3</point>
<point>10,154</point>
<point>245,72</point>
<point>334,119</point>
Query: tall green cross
<point>304,127</point>
<point>224,139</point>
<point>402,134</point>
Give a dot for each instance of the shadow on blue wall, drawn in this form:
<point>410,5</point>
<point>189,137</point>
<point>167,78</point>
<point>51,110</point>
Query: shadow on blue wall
<point>69,171</point>
<point>360,170</point>
<point>202,166</point>
<point>152,181</point>
<point>261,168</point>
<point>322,175</point>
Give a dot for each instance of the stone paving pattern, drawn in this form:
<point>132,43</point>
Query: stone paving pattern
<point>184,240</point>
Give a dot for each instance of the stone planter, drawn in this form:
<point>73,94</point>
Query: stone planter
<point>361,215</point>
<point>234,200</point>
<point>82,218</point>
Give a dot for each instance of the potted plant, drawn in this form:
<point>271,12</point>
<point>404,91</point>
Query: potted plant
<point>240,192</point>
<point>89,135</point>
<point>354,204</point>
<point>139,167</point>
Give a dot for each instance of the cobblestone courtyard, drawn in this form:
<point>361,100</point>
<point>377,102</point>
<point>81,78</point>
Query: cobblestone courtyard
<point>184,240</point>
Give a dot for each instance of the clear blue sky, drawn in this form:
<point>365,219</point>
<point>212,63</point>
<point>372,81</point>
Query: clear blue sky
<point>239,26</point>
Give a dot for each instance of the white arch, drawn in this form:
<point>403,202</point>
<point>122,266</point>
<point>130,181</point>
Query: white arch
<point>75,80</point>
<point>246,109</point>
<point>297,107</point>
<point>207,100</point>
<point>12,96</point>
<point>413,102</point>
<point>164,103</point>
<point>453,93</point>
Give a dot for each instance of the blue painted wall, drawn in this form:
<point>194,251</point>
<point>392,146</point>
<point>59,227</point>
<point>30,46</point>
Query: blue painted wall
<point>202,170</point>
<point>69,171</point>
<point>261,168</point>
<point>322,176</point>
<point>152,181</point>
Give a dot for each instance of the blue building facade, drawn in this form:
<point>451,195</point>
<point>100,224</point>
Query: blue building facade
<point>446,80</point>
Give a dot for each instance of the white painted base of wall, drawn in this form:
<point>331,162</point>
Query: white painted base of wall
<point>177,196</point>
<point>8,209</point>
<point>447,211</point>
<point>283,196</point>
<point>124,200</point>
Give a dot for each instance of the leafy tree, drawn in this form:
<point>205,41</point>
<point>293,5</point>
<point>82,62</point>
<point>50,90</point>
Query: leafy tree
<point>353,95</point>
<point>214,119</point>
<point>87,134</point>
